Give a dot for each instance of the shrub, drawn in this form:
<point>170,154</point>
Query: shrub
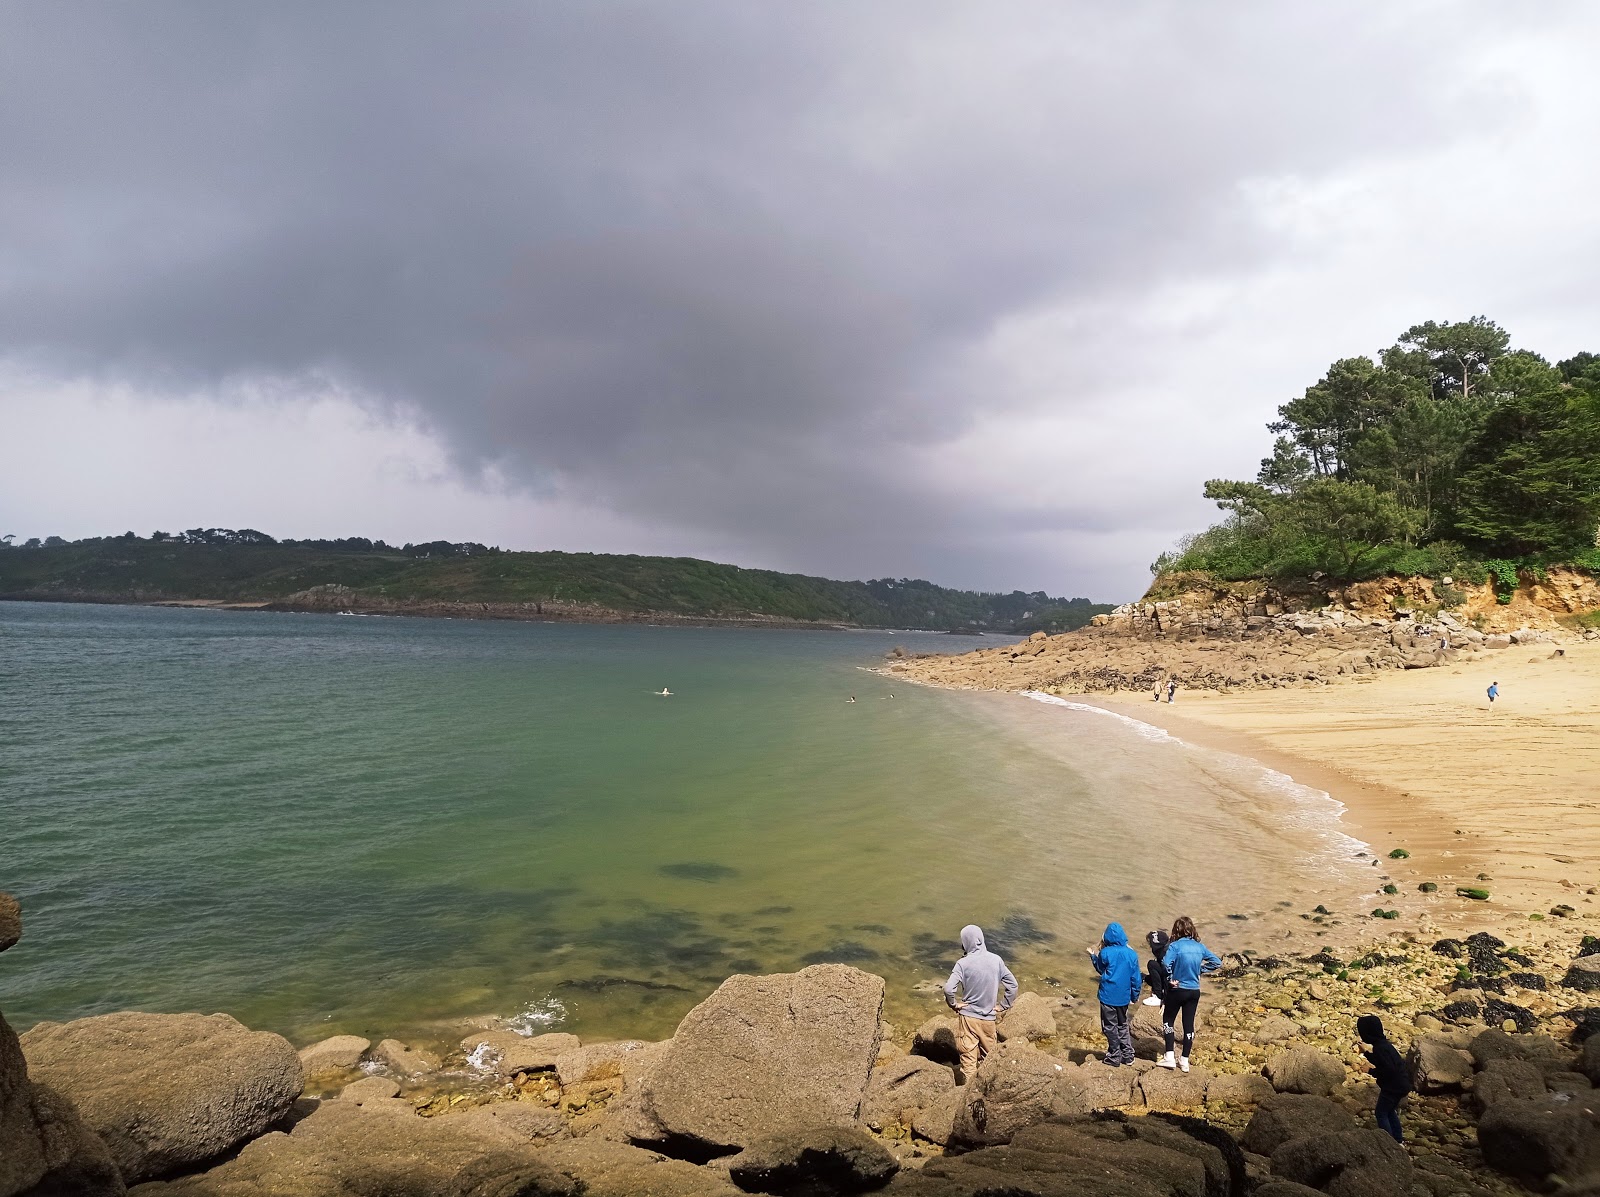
<point>1468,891</point>
<point>1398,854</point>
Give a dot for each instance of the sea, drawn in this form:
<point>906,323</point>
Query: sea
<point>329,824</point>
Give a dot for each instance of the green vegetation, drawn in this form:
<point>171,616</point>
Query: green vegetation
<point>1398,854</point>
<point>1451,454</point>
<point>248,566</point>
<point>1468,891</point>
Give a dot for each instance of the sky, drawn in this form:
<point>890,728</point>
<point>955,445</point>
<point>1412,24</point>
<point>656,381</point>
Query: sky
<point>975,293</point>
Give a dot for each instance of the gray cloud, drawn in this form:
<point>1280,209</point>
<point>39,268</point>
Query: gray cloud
<point>722,267</point>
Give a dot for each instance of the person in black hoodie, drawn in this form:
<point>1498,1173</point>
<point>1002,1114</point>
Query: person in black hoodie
<point>1388,1069</point>
<point>1155,973</point>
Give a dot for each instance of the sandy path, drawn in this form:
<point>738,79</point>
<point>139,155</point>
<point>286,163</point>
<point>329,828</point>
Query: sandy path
<point>1423,763</point>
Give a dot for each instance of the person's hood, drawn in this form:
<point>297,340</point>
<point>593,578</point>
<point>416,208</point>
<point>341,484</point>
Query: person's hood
<point>1158,941</point>
<point>1370,1028</point>
<point>1115,936</point>
<point>971,939</point>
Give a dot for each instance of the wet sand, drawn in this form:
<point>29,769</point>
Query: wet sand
<point>1423,763</point>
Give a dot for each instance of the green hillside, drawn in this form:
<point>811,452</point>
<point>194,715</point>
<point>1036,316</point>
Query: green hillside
<point>224,565</point>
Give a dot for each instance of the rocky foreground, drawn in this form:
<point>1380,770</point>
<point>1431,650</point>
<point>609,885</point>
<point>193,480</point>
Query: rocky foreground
<point>793,1084</point>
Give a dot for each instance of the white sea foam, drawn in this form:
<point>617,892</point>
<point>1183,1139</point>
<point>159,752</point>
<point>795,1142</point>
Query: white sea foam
<point>538,1016</point>
<point>1314,810</point>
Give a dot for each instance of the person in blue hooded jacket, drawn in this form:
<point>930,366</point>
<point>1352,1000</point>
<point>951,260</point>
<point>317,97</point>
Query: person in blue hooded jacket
<point>1120,982</point>
<point>1187,959</point>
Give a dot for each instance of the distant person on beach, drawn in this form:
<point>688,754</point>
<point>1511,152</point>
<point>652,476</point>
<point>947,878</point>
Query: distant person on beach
<point>1494,692</point>
<point>1155,973</point>
<point>980,988</point>
<point>1186,960</point>
<point>1388,1069</point>
<point>1118,967</point>
<point>1172,688</point>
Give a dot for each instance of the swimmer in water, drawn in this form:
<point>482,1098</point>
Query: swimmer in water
<point>852,698</point>
<point>664,693</point>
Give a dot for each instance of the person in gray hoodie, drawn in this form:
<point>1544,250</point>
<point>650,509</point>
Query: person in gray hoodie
<point>980,988</point>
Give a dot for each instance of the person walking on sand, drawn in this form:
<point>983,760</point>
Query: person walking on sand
<point>1186,960</point>
<point>980,988</point>
<point>1172,688</point>
<point>1388,1069</point>
<point>1494,692</point>
<point>1155,973</point>
<point>1156,694</point>
<point>1118,967</point>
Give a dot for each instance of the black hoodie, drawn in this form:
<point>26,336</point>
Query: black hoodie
<point>1155,972</point>
<point>1388,1069</point>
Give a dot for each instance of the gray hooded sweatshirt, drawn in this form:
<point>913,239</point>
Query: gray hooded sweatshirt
<point>979,977</point>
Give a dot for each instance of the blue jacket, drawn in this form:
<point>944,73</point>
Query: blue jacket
<point>1118,966</point>
<point>1186,960</point>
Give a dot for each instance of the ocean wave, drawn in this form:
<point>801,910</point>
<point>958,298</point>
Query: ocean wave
<point>538,1016</point>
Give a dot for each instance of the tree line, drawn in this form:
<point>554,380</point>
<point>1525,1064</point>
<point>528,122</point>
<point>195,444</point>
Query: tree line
<point>250,536</point>
<point>1450,453</point>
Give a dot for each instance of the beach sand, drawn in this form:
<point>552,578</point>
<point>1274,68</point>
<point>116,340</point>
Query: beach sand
<point>1423,763</point>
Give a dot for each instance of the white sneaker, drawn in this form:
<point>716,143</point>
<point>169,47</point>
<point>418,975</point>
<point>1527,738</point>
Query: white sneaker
<point>1166,1061</point>
<point>1183,1063</point>
<point>1152,1001</point>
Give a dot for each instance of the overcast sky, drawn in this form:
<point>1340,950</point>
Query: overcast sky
<point>981,293</point>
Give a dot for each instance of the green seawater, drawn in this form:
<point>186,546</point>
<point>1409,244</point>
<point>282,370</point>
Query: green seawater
<point>327,824</point>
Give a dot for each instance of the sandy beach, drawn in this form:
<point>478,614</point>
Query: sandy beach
<point>1423,763</point>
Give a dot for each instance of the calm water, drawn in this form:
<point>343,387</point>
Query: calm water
<point>324,823</point>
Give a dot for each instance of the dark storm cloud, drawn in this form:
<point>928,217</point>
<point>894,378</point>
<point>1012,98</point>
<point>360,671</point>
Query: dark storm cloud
<point>720,266</point>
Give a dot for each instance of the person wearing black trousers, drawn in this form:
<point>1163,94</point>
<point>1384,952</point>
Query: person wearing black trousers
<point>1388,1069</point>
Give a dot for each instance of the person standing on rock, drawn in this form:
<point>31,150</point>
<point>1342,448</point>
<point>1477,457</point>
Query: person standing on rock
<point>1155,973</point>
<point>1118,967</point>
<point>1186,960</point>
<point>980,988</point>
<point>1388,1069</point>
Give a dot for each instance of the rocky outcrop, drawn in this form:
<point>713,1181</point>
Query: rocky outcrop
<point>1029,1018</point>
<point>814,1160</point>
<point>10,921</point>
<point>402,1060</point>
<point>345,1149</point>
<point>1543,1137</point>
<point>506,1053</point>
<point>762,1054</point>
<point>167,1091</point>
<point>1288,1116</point>
<point>1357,1163</point>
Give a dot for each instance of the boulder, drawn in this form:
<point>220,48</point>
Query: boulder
<point>763,1054</point>
<point>1507,1080</point>
<point>1438,1065</point>
<point>167,1091</point>
<point>1357,1163</point>
<point>907,1083</point>
<point>346,1150</point>
<point>1532,1140</point>
<point>10,921</point>
<point>370,1089</point>
<point>1238,1089</point>
<point>1275,1029</point>
<point>1016,1086</point>
<point>828,1159</point>
<point>337,1054</point>
<point>936,1039</point>
<point>45,1148</point>
<point>1169,1089</point>
<point>1305,1070</point>
<point>597,1061</point>
<point>506,1053</point>
<point>1542,1050</point>
<point>1285,1117</point>
<point>1589,1062</point>
<point>935,1122</point>
<point>1029,1018</point>
<point>1583,974</point>
<point>603,1169</point>
<point>1219,1156</point>
<point>402,1060</point>
<point>625,1119</point>
<point>1095,1085</point>
<point>1284,1188</point>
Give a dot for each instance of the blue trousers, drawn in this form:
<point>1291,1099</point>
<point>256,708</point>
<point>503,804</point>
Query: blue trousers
<point>1389,1113</point>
